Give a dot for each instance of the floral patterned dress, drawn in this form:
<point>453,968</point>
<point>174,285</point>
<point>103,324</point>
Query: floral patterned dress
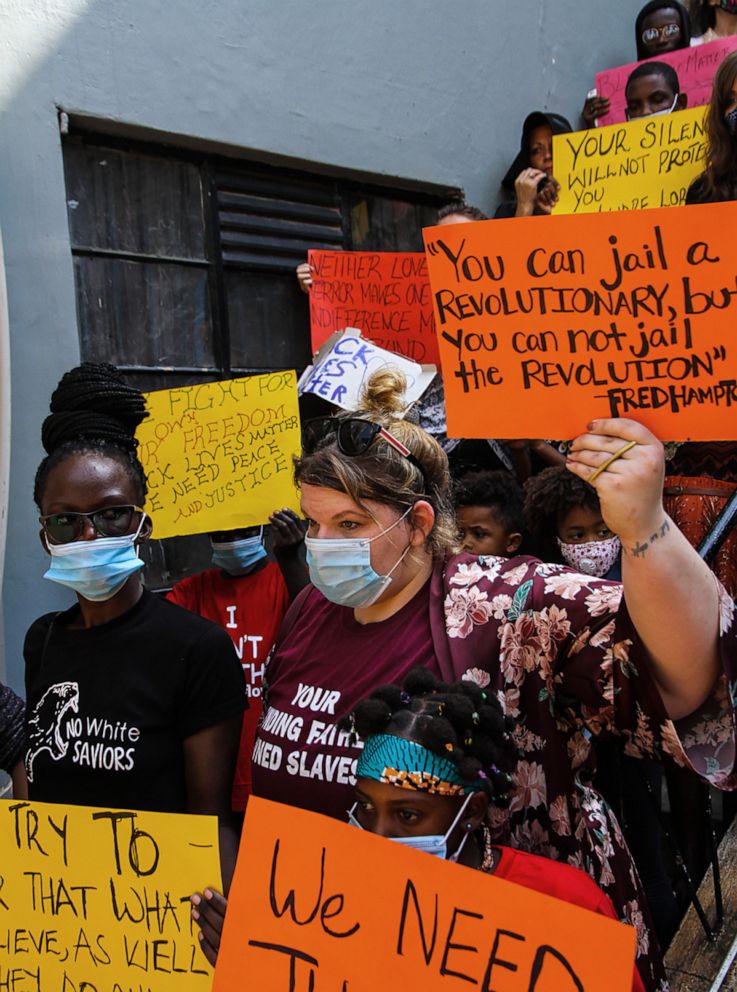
<point>560,651</point>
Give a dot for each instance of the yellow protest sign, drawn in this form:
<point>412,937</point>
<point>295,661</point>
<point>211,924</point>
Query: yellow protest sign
<point>646,163</point>
<point>97,900</point>
<point>219,455</point>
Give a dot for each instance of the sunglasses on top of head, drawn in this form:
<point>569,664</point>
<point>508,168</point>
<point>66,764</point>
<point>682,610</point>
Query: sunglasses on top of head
<point>108,521</point>
<point>354,436</point>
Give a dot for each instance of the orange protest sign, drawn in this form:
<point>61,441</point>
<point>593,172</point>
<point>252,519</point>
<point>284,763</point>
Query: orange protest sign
<point>546,322</point>
<point>385,295</point>
<point>317,904</point>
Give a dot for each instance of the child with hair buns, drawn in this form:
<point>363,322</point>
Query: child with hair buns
<point>437,762</point>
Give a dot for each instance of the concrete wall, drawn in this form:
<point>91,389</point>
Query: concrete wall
<point>427,90</point>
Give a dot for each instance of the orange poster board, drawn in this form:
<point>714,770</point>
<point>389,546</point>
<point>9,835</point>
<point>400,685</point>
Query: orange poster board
<point>317,904</point>
<point>547,322</point>
<point>385,294</point>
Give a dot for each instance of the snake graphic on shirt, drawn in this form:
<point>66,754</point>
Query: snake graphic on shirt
<point>44,724</point>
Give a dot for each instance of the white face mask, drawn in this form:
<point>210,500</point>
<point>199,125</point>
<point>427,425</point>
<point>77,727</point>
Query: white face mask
<point>656,113</point>
<point>436,844</point>
<point>592,557</point>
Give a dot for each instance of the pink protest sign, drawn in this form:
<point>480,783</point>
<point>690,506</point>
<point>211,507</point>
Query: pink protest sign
<point>695,68</point>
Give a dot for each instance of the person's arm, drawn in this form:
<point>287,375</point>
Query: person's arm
<point>209,915</point>
<point>520,452</point>
<point>209,765</point>
<point>595,106</point>
<point>20,781</point>
<point>288,532</point>
<point>304,276</point>
<point>671,595</point>
<point>525,190</point>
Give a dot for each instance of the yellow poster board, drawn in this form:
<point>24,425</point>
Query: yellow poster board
<point>219,455</point>
<point>646,163</point>
<point>97,900</point>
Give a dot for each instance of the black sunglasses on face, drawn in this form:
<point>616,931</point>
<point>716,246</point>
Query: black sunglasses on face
<point>108,521</point>
<point>354,437</point>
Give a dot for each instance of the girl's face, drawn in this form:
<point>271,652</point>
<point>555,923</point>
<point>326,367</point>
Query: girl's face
<point>541,148</point>
<point>661,31</point>
<point>332,515</point>
<point>581,525</point>
<point>83,483</point>
<point>391,811</point>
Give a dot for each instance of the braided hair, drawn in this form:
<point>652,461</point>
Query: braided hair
<point>458,722</point>
<point>93,410</point>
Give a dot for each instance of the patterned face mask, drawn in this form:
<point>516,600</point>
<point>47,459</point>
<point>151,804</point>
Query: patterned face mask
<point>730,120</point>
<point>593,557</point>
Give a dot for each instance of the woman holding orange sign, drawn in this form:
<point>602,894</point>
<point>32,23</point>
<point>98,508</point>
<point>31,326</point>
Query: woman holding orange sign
<point>564,654</point>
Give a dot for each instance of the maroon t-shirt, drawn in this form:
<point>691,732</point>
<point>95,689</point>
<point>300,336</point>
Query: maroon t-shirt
<point>325,665</point>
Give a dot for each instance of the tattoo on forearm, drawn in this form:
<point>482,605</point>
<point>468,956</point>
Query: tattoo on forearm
<point>641,548</point>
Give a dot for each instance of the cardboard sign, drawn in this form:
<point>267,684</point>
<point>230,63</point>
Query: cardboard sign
<point>647,163</point>
<point>347,361</point>
<point>219,455</point>
<point>385,295</point>
<point>695,68</point>
<point>547,322</point>
<point>317,904</point>
<point>96,900</point>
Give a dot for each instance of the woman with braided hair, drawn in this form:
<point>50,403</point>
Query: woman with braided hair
<point>132,701</point>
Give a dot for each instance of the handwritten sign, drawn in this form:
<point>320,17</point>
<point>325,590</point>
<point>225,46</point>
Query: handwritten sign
<point>695,68</point>
<point>550,321</point>
<point>96,900</point>
<point>300,915</point>
<point>219,455</point>
<point>347,361</point>
<point>385,295</point>
<point>647,163</point>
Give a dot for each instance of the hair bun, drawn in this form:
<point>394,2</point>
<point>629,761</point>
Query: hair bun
<point>93,402</point>
<point>383,393</point>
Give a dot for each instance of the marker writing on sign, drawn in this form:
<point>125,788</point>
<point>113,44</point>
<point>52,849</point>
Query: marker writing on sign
<point>428,927</point>
<point>318,908</point>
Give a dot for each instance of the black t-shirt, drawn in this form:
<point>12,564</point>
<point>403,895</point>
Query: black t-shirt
<point>110,706</point>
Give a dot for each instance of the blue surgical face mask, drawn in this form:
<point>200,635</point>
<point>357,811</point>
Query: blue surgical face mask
<point>238,557</point>
<point>341,568</point>
<point>436,844</point>
<point>95,569</point>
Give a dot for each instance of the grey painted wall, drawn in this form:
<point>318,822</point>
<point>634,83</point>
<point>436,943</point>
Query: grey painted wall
<point>424,90</point>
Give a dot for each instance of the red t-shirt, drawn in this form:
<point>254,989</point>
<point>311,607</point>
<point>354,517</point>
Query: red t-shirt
<point>326,664</point>
<point>251,609</point>
<point>553,878</point>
